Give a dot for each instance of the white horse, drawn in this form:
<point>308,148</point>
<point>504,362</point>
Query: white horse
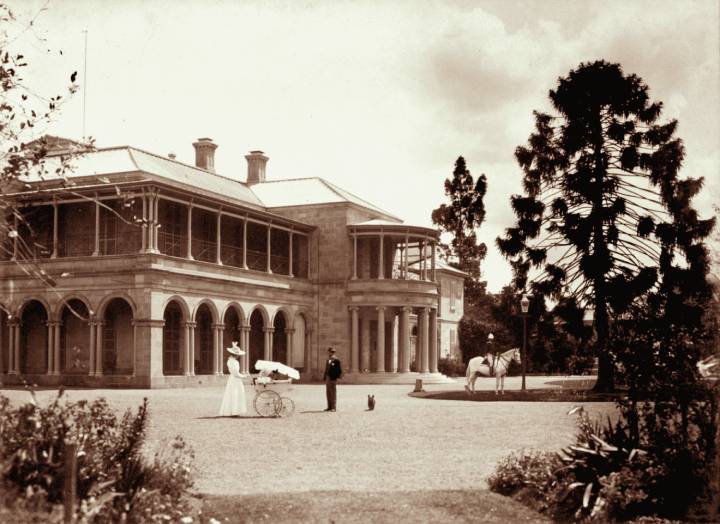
<point>502,363</point>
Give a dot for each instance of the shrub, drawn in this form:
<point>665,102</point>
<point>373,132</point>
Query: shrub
<point>452,367</point>
<point>531,471</point>
<point>115,481</point>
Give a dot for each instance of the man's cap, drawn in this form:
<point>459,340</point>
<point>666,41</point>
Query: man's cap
<point>491,336</point>
<point>331,350</point>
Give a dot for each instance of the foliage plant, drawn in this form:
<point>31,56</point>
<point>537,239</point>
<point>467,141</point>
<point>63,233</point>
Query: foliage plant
<point>452,367</point>
<point>605,218</point>
<point>116,481</point>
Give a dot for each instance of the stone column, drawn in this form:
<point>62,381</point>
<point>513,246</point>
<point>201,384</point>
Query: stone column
<point>189,232</point>
<point>423,330</point>
<point>354,341</point>
<point>156,222</point>
<point>56,350</point>
<point>50,349</point>
<point>245,346</point>
<point>2,349</point>
<point>93,337</point>
<point>394,345</point>
<point>16,232</point>
<point>289,346</point>
<point>405,340</point>
<point>364,344</point>
<point>99,349</point>
<point>381,339</point>
<point>308,358</point>
<point>267,354</point>
<point>217,348</point>
<point>188,360</point>
<point>148,348</point>
<point>432,339</point>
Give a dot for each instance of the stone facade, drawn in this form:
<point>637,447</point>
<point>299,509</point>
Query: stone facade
<point>147,269</point>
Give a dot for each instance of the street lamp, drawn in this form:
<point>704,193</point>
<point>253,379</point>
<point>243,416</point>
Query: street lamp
<point>524,306</point>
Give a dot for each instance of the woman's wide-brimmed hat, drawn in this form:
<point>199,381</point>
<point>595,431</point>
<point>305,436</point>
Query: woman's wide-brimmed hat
<point>235,350</point>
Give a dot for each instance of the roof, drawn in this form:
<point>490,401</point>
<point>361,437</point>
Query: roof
<point>308,191</point>
<point>441,265</point>
<point>109,162</point>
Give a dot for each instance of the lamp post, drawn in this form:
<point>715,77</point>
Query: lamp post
<point>524,306</point>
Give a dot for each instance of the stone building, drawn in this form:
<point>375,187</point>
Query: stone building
<point>137,270</point>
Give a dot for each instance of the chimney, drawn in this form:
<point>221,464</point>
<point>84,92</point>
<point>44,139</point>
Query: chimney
<point>256,167</point>
<point>205,153</point>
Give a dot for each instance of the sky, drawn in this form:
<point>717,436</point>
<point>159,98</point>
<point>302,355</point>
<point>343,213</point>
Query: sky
<point>379,98</point>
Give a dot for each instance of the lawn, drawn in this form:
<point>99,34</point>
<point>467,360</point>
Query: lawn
<point>406,445</point>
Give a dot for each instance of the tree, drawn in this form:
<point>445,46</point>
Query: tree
<point>605,219</point>
<point>23,115</point>
<point>460,218</point>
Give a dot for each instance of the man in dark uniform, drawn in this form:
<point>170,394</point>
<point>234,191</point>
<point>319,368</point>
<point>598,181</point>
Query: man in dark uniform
<point>333,371</point>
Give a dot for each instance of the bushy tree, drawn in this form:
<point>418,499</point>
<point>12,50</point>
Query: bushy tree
<point>605,219</point>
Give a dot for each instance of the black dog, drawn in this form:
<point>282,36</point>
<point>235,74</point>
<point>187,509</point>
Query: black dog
<point>371,402</point>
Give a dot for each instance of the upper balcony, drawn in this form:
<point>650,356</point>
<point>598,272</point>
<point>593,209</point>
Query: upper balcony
<point>392,262</point>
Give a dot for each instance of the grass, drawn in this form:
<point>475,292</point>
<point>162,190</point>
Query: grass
<point>376,507</point>
<point>364,465</point>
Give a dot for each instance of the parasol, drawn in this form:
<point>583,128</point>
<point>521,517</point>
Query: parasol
<point>268,365</point>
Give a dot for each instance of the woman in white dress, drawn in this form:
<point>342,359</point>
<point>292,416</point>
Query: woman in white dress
<point>233,402</point>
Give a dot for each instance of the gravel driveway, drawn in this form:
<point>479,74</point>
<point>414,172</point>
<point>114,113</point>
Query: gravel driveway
<point>404,444</point>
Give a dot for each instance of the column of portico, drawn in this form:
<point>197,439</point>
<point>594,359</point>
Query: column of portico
<point>307,365</point>
<point>93,337</point>
<point>269,250</point>
<point>354,340</point>
<point>218,239</point>
<point>188,364</point>
<point>217,348</point>
<point>267,355</point>
<point>55,231</point>
<point>244,338</point>
<point>394,345</point>
<point>381,339</point>
<point>433,341</point>
<point>15,338</point>
<point>381,259</point>
<point>96,248</point>
<point>289,346</point>
<point>364,343</point>
<point>56,348</point>
<point>50,349</point>
<point>99,325</point>
<point>423,331</point>
<point>405,340</point>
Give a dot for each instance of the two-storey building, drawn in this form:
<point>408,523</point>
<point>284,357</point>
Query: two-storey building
<point>138,270</point>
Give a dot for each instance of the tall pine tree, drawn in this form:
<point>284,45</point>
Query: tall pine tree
<point>605,219</point>
<point>460,218</point>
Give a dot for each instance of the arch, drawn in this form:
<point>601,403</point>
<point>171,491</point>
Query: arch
<point>204,321</point>
<point>75,333</point>
<point>181,303</point>
<point>174,315</point>
<point>33,338</point>
<point>19,311</point>
<point>212,308</point>
<point>238,310</point>
<point>232,320</point>
<point>287,313</point>
<point>259,308</point>
<point>298,344</point>
<point>117,336</point>
<point>279,344</point>
<point>122,296</point>
<point>257,338</point>
<point>74,297</point>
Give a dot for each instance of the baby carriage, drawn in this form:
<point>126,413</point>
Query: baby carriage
<point>268,400</point>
